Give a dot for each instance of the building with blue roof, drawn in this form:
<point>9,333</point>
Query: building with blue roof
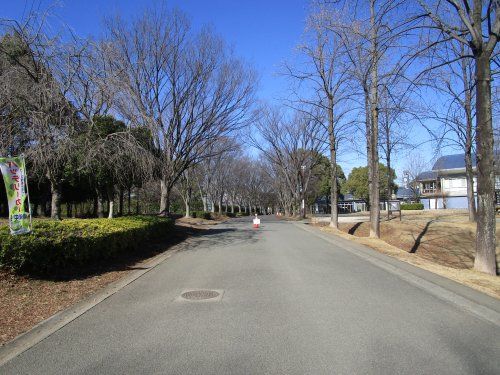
<point>445,186</point>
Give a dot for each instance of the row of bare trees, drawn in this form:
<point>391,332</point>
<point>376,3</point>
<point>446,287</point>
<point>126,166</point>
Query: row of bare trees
<point>228,183</point>
<point>376,66</point>
<point>291,144</point>
<point>148,101</point>
<point>154,99</point>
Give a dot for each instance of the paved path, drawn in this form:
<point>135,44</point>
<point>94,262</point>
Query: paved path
<point>292,304</point>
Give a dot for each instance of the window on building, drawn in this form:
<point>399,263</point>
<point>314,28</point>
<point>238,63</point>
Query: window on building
<point>429,187</point>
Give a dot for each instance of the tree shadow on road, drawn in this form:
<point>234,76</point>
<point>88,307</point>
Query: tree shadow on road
<point>216,237</point>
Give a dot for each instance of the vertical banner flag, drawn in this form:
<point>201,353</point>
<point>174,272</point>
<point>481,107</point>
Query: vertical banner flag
<point>14,175</point>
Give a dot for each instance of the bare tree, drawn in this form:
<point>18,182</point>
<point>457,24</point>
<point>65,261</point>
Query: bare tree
<point>325,74</point>
<point>185,187</point>
<point>50,119</point>
<point>415,166</point>
<point>371,38</point>
<point>115,157</point>
<point>14,83</point>
<point>185,87</point>
<point>454,81</point>
<point>394,127</point>
<point>479,30</point>
<point>293,145</point>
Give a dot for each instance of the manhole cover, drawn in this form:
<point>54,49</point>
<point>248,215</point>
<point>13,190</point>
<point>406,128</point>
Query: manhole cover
<point>198,295</point>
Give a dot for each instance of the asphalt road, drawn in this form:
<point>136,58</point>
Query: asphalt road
<point>292,304</point>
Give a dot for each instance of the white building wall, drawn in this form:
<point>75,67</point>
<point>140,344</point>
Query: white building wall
<point>455,186</point>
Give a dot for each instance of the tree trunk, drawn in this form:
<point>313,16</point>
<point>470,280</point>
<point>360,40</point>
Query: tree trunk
<point>232,207</point>
<point>164,198</point>
<point>220,204</point>
<point>100,204</point>
<point>137,203</point>
<point>468,140</point>
<point>485,259</point>
<point>389,177</point>
<point>69,209</point>
<point>469,175</point>
<point>96,206</point>
<point>120,202</point>
<point>48,207</point>
<point>110,190</point>
<point>55,207</point>
<point>374,165</point>
<point>302,194</point>
<point>334,214</point>
<point>187,201</point>
<point>129,199</point>
<point>368,141</point>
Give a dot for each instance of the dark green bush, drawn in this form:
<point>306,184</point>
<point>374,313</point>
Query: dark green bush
<point>412,206</point>
<point>230,214</point>
<point>56,246</point>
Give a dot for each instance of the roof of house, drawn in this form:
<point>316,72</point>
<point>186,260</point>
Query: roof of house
<point>349,197</point>
<point>405,192</point>
<point>452,162</point>
<point>426,176</point>
<point>446,162</point>
<point>322,200</point>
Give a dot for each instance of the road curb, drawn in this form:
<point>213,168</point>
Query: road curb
<point>480,311</point>
<point>57,321</point>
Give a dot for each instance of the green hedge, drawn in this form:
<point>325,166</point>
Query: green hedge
<point>201,215</point>
<point>56,246</point>
<point>412,206</point>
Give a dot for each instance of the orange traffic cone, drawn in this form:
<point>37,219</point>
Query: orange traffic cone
<point>256,222</point>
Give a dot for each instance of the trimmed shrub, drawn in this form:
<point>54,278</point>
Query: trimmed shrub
<point>56,246</point>
<point>412,206</point>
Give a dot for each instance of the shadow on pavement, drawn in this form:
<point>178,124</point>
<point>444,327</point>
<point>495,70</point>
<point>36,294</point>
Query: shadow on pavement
<point>220,237</point>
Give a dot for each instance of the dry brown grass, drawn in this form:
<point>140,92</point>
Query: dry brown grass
<point>199,221</point>
<point>24,302</point>
<point>440,241</point>
<point>445,238</point>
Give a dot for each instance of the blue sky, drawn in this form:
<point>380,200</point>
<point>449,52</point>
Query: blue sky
<point>264,33</point>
